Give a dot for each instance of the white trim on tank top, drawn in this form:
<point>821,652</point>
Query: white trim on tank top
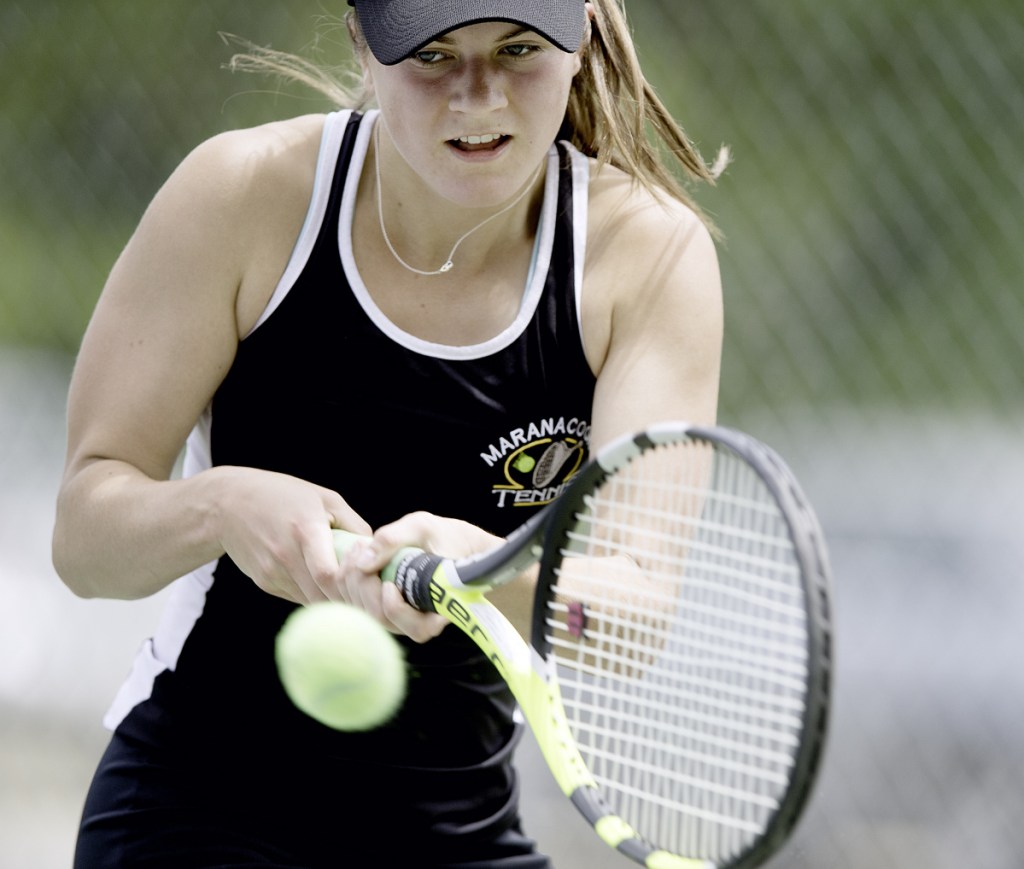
<point>330,146</point>
<point>333,133</point>
<point>534,285</point>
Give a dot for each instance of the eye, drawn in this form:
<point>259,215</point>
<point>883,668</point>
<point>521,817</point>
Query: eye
<point>429,56</point>
<point>520,49</point>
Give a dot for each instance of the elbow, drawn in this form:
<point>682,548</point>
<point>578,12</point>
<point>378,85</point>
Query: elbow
<point>67,566</point>
<point>70,555</point>
<point>89,571</point>
<point>68,552</point>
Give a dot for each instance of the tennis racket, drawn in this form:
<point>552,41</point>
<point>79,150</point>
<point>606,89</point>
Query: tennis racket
<point>677,677</point>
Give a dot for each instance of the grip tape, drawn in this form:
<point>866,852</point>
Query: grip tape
<point>413,576</point>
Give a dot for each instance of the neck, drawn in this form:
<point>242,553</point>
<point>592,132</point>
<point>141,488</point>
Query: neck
<point>428,234</point>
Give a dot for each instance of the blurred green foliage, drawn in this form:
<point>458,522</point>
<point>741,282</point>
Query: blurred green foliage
<point>871,211</point>
<point>100,101</point>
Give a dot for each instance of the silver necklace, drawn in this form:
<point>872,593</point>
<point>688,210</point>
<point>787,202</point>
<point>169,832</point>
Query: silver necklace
<point>448,264</point>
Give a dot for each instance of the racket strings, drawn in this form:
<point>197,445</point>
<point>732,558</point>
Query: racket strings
<point>685,686</point>
<point>628,662</point>
<point>727,735</point>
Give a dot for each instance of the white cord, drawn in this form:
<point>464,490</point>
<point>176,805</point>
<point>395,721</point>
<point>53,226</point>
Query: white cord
<point>448,264</point>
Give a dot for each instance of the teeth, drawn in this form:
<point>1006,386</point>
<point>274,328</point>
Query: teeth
<point>486,139</point>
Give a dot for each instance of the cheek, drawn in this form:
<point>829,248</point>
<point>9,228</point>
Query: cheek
<point>402,96</point>
<point>404,107</point>
<point>544,97</point>
<point>555,89</point>
<point>413,92</point>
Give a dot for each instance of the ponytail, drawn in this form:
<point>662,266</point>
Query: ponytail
<point>614,113</point>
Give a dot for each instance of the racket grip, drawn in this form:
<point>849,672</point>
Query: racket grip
<point>410,569</point>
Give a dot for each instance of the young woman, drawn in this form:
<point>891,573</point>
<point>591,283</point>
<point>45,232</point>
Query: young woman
<point>367,321</point>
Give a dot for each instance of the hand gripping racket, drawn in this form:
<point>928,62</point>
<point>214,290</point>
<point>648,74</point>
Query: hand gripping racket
<point>677,677</point>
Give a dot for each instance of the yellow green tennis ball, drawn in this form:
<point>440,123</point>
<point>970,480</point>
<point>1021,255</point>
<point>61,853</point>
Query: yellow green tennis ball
<point>340,666</point>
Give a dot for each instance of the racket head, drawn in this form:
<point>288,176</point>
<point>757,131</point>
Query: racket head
<point>695,671</point>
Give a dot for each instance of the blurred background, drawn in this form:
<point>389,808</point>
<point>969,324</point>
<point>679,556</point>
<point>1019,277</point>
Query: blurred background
<point>873,272</point>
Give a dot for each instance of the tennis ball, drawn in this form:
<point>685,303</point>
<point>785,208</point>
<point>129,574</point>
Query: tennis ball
<point>340,666</point>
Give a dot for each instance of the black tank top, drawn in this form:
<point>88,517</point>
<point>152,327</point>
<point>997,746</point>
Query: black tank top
<point>326,389</point>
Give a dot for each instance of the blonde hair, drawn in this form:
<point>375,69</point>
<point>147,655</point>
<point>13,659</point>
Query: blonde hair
<point>613,115</point>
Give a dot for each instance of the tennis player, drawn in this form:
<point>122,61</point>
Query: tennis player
<point>410,318</point>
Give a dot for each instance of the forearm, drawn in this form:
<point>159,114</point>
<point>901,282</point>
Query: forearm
<point>515,601</point>
<point>120,534</point>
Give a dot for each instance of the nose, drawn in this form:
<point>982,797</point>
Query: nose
<point>479,88</point>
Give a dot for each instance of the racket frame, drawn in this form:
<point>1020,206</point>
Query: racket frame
<point>457,588</point>
<point>812,560</point>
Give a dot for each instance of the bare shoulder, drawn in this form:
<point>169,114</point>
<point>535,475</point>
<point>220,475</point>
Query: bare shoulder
<point>218,233</point>
<point>630,224</point>
<point>248,191</point>
<point>264,161</point>
<point>649,258</point>
<point>222,184</point>
<point>652,307</point>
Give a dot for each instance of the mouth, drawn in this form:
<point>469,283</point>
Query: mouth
<point>484,142</point>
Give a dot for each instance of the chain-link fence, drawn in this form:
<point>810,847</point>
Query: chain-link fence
<point>875,336</point>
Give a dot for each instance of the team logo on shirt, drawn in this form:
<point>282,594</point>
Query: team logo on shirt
<point>534,464</point>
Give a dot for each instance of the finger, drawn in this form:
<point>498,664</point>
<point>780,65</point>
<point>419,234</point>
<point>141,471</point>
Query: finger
<point>320,564</point>
<point>313,594</point>
<point>304,582</point>
<point>412,530</point>
<point>419,627</point>
<point>285,586</point>
<point>343,516</point>
<point>364,591</point>
<point>384,601</point>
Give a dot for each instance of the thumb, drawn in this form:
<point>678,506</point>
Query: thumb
<point>342,515</point>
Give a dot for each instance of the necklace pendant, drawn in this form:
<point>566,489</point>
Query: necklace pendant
<point>447,267</point>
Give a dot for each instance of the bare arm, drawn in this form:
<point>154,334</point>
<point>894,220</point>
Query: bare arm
<point>134,397</point>
<point>652,326</point>
<point>192,279</point>
<point>653,332</point>
<point>652,315</point>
